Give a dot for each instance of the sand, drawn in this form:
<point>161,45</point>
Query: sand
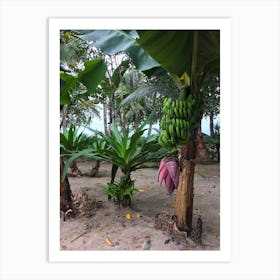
<point>104,225</point>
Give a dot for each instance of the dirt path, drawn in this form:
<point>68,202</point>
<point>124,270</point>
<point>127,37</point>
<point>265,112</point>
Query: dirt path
<point>105,226</point>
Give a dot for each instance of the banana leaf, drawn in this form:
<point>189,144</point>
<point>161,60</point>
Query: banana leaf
<point>116,41</point>
<point>173,49</point>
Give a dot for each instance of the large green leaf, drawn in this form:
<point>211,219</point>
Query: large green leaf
<point>173,49</point>
<point>67,84</point>
<point>93,73</point>
<point>90,77</point>
<point>119,72</point>
<point>116,41</point>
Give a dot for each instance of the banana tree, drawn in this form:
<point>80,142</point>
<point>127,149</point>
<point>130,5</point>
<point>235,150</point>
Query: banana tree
<point>189,55</point>
<point>197,54</point>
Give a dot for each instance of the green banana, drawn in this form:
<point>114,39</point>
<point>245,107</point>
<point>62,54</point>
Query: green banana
<point>169,101</point>
<point>185,124</point>
<point>171,131</point>
<point>174,122</point>
<point>181,123</point>
<point>185,112</point>
<point>162,124</point>
<point>178,134</point>
<point>178,122</point>
<point>165,134</point>
<point>178,112</point>
<point>160,141</point>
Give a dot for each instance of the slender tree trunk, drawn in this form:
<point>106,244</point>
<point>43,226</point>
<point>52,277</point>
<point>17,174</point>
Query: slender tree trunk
<point>126,202</point>
<point>66,202</point>
<point>211,124</point>
<point>123,121</point>
<point>64,117</point>
<point>75,171</point>
<point>105,119</point>
<point>151,123</point>
<point>95,169</point>
<point>150,129</point>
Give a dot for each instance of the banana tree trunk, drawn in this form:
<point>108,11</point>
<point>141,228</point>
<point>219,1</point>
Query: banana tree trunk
<point>184,195</point>
<point>211,117</point>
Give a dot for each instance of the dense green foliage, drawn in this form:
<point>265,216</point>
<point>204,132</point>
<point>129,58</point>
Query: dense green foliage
<point>72,141</point>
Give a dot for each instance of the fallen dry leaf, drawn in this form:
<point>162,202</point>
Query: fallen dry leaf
<point>141,190</point>
<point>64,247</point>
<point>128,216</point>
<point>108,241</point>
<point>138,215</point>
<point>200,194</point>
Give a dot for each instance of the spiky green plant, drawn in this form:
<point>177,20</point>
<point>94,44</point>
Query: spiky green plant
<point>127,152</point>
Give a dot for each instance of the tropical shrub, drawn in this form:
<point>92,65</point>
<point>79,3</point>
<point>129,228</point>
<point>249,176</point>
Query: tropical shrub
<point>72,141</point>
<point>127,152</point>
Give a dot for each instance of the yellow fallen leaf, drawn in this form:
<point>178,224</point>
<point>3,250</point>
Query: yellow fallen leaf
<point>200,194</point>
<point>128,216</point>
<point>98,228</point>
<point>141,190</point>
<point>108,241</point>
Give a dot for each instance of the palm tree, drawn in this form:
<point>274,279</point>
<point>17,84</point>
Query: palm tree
<point>144,100</point>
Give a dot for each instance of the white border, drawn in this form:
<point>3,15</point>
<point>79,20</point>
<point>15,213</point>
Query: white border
<point>224,254</point>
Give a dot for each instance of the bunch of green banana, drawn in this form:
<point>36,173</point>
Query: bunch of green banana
<point>175,108</point>
<point>174,123</point>
<point>178,121</point>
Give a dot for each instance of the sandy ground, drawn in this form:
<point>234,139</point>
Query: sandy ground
<point>107,226</point>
